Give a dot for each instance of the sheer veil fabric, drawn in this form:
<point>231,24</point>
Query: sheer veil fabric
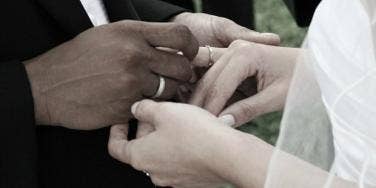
<point>330,116</point>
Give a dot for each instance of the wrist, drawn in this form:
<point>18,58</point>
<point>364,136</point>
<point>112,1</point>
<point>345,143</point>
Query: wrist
<point>243,160</point>
<point>223,154</point>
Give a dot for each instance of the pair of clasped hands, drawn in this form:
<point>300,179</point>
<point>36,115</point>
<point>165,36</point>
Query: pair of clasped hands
<point>95,79</point>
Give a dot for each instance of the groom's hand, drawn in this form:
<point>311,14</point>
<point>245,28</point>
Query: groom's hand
<point>221,32</point>
<point>91,81</point>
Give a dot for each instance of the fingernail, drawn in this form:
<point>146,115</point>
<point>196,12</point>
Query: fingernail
<point>134,107</point>
<point>228,120</point>
<point>269,34</point>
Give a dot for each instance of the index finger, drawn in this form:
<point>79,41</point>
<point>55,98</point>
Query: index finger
<point>225,85</point>
<point>198,97</point>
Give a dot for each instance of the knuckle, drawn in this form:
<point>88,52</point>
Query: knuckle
<point>179,28</point>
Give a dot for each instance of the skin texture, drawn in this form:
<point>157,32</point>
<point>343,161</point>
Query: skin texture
<point>271,66</point>
<point>188,146</point>
<point>192,148</point>
<point>221,32</point>
<point>203,145</point>
<point>96,79</point>
<point>171,166</point>
<point>218,32</point>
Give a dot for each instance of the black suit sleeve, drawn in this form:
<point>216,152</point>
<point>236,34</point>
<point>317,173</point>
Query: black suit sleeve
<point>155,10</point>
<point>18,162</point>
<point>302,10</point>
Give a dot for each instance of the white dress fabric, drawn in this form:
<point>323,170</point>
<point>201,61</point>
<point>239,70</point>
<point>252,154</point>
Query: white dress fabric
<point>330,115</point>
<point>346,73</point>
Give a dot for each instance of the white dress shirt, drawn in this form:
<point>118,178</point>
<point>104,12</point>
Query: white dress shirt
<point>96,11</point>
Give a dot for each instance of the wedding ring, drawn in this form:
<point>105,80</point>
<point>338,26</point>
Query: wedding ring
<point>161,87</point>
<point>211,54</point>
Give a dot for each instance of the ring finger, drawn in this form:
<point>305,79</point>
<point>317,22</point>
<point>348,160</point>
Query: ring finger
<point>206,56</point>
<point>204,84</point>
<point>153,84</point>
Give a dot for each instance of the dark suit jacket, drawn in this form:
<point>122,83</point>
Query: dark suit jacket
<point>35,156</point>
<point>302,10</point>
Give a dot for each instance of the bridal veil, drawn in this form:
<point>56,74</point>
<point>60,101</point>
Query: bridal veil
<point>330,115</point>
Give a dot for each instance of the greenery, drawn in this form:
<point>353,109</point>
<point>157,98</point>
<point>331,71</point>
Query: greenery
<point>273,16</point>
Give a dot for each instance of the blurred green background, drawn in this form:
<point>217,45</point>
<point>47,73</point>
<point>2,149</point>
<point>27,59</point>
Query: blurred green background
<point>272,16</point>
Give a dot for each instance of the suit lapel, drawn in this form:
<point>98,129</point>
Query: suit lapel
<point>69,14</point>
<point>72,17</point>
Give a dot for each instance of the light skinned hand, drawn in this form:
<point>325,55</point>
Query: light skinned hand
<point>218,32</point>
<point>221,32</point>
<point>271,66</point>
<point>179,152</point>
<point>92,80</point>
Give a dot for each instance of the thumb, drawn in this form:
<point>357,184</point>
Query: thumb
<point>269,100</point>
<point>147,111</point>
<point>118,143</point>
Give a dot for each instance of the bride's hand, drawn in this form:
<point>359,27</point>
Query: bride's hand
<point>182,149</point>
<point>271,66</point>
